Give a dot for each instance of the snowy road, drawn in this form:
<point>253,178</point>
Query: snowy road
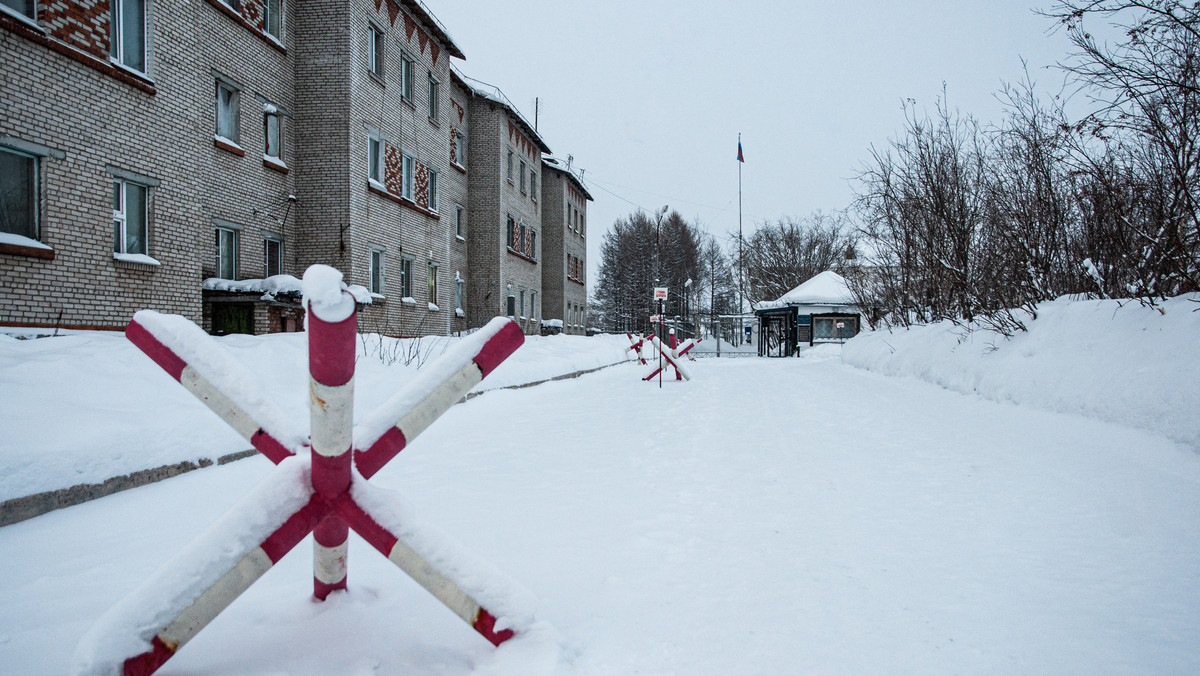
<point>770,517</point>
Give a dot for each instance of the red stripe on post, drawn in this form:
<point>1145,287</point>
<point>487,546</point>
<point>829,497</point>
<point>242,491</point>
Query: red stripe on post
<point>499,347</point>
<point>270,447</point>
<point>322,590</point>
<point>149,662</point>
<point>485,624</point>
<point>331,349</point>
<point>161,354</point>
<point>294,529</point>
<point>381,452</point>
<point>331,532</point>
<point>331,475</point>
<point>377,536</point>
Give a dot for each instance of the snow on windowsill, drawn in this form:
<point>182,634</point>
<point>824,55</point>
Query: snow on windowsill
<point>140,259</point>
<point>377,185</point>
<point>459,313</point>
<point>274,161</point>
<point>434,308</point>
<point>21,240</point>
<point>221,139</point>
<point>408,300</point>
<point>363,296</point>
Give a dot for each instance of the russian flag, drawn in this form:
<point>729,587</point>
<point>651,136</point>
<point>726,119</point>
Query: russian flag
<point>740,158</point>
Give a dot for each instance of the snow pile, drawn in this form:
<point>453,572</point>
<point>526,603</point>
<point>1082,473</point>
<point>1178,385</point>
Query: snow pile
<point>827,288</point>
<point>323,295</point>
<point>276,285</point>
<point>1115,361</point>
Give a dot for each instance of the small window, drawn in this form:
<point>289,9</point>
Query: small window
<point>458,294</point>
<point>18,194</point>
<point>375,145</point>
<point>272,256</point>
<point>532,185</point>
<point>521,234</point>
<point>376,271</point>
<point>273,19</point>
<point>522,177</point>
<point>433,190</point>
<point>127,36</point>
<point>513,230</point>
<point>532,244</point>
<point>226,244</point>
<point>508,166</point>
<point>375,51</point>
<point>460,154</point>
<point>434,90</point>
<point>533,305</point>
<point>406,276</point>
<point>410,167</point>
<point>130,208</point>
<point>521,305</point>
<point>272,134</point>
<point>460,221</point>
<point>406,76</point>
<point>26,7</point>
<point>227,111</point>
<point>433,285</point>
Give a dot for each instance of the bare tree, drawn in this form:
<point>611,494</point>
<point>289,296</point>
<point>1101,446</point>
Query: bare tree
<point>779,256</point>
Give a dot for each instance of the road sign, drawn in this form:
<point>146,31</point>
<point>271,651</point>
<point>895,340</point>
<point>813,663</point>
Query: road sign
<point>654,319</point>
<point>660,293</point>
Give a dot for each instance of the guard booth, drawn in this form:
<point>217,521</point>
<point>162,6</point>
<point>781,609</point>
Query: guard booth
<point>821,310</point>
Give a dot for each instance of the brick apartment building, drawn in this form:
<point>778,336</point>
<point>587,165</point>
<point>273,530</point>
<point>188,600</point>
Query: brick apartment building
<point>564,221</point>
<point>241,139</point>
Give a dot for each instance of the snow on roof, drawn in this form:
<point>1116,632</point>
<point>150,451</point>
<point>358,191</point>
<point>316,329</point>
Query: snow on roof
<point>827,288</point>
<point>492,93</point>
<point>559,165</point>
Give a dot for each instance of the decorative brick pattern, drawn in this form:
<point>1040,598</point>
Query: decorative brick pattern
<point>83,24</point>
<point>393,169</point>
<point>421,185</point>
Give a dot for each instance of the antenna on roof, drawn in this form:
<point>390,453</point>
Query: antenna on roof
<point>570,159</point>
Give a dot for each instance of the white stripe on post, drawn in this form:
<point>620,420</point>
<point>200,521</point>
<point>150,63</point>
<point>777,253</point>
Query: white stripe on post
<point>329,563</point>
<point>220,404</point>
<point>334,405</point>
<point>445,395</point>
<point>443,588</point>
<point>215,599</point>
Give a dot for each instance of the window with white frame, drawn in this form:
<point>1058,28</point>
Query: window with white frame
<point>522,177</point>
<point>375,50</point>
<point>130,213</point>
<point>433,283</point>
<point>272,132</point>
<point>460,156</point>
<point>460,221</point>
<point>434,90</point>
<point>521,305</point>
<point>375,150</point>
<point>273,18</point>
<point>272,255</point>
<point>226,251</point>
<point>458,294</point>
<point>228,98</point>
<point>508,165</point>
<point>532,184</point>
<point>410,169</point>
<point>18,193</point>
<point>375,274</point>
<point>406,276</point>
<point>532,251</point>
<point>433,190</point>
<point>127,33</point>
<point>26,7</point>
<point>406,76</point>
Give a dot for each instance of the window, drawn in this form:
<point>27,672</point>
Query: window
<point>521,306</point>
<point>18,194</point>
<point>129,218</point>
<point>273,19</point>
<point>226,244</point>
<point>406,276</point>
<point>458,294</point>
<point>460,221</point>
<point>532,251</point>
<point>532,185</point>
<point>272,256</point>
<point>533,305</point>
<point>410,166</point>
<point>521,234</point>
<point>375,146</point>
<point>375,51</point>
<point>127,36</point>
<point>434,89</point>
<point>227,111</point>
<point>433,287</point>
<point>433,190</point>
<point>512,233</point>
<point>25,7</point>
<point>522,178</point>
<point>406,76</point>
<point>508,166</point>
<point>272,133</point>
<point>376,271</point>
<point>460,154</point>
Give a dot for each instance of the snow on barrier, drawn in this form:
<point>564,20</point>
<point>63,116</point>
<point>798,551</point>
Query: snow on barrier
<point>637,343</point>
<point>315,487</point>
<point>673,357</point>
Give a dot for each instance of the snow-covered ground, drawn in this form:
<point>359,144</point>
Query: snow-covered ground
<point>768,517</point>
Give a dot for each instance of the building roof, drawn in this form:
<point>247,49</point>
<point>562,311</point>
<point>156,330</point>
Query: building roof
<point>422,14</point>
<point>492,93</point>
<point>827,288</point>
<point>555,164</point>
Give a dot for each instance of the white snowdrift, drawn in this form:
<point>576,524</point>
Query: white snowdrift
<point>1117,361</point>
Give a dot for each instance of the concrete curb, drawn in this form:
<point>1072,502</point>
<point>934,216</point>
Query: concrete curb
<point>16,510</point>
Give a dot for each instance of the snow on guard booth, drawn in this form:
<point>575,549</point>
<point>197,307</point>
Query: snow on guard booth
<point>320,485</point>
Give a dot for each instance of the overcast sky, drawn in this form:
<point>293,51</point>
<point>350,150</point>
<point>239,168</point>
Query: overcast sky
<point>649,95</point>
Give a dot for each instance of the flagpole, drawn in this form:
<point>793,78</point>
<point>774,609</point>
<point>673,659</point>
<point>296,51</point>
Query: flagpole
<point>741,261</point>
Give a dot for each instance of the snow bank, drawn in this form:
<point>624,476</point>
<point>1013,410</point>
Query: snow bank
<point>1115,361</point>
